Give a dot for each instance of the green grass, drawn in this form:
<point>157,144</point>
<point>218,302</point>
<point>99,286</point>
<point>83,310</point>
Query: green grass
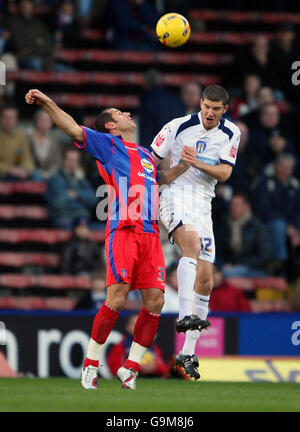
<point>152,395</point>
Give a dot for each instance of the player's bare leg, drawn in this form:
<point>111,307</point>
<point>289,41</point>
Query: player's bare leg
<point>186,237</point>
<point>103,323</point>
<point>200,301</point>
<point>144,333</point>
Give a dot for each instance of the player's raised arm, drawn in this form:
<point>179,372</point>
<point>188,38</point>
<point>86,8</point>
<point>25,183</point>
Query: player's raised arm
<point>62,120</point>
<point>220,172</point>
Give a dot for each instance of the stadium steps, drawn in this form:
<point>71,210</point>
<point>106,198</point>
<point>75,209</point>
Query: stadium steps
<point>56,282</point>
<point>38,240</point>
<point>37,303</point>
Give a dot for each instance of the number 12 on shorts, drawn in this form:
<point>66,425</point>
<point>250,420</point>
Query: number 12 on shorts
<point>206,244</point>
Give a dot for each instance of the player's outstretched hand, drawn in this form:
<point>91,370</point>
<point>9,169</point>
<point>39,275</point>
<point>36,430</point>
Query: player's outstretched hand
<point>37,97</point>
<point>189,155</point>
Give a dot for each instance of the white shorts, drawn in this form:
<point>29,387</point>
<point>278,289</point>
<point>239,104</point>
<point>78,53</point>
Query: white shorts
<point>179,208</point>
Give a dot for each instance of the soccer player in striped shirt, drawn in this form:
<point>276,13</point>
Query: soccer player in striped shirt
<point>134,255</point>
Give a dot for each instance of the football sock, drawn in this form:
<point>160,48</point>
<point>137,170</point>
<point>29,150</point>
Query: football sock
<point>199,304</point>
<point>93,354</point>
<point>103,323</point>
<point>144,332</point>
<point>186,275</point>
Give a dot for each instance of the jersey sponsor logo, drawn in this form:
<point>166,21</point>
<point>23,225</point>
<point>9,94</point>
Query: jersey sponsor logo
<point>233,151</point>
<point>130,148</point>
<point>159,140</point>
<point>200,146</point>
<point>140,174</point>
<point>147,165</point>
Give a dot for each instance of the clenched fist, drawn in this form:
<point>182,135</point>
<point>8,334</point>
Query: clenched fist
<point>37,97</point>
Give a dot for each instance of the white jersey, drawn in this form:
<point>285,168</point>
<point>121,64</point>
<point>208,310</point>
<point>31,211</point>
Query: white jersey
<point>214,146</point>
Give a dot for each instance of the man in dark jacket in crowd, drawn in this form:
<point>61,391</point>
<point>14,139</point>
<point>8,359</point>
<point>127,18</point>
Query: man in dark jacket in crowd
<point>276,200</point>
<point>30,39</point>
<point>69,195</point>
<point>242,240</point>
<point>81,255</point>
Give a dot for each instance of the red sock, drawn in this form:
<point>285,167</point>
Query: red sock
<point>145,328</point>
<point>103,323</point>
<point>89,362</point>
<point>129,364</point>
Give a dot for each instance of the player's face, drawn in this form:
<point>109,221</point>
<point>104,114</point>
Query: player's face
<point>123,120</point>
<point>211,112</point>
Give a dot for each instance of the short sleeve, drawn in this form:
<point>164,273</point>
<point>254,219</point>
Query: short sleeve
<point>229,152</point>
<point>161,145</point>
<point>97,144</point>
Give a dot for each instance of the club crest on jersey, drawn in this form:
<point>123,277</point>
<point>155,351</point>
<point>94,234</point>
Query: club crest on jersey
<point>200,146</point>
<point>124,272</point>
<point>147,165</point>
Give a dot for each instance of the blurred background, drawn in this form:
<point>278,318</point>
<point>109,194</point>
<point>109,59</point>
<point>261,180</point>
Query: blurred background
<point>88,55</point>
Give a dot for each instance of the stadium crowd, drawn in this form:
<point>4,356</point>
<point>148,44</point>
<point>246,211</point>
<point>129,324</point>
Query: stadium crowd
<point>256,212</point>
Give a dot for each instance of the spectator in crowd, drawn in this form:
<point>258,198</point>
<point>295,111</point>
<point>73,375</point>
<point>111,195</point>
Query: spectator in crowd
<point>81,255</point>
<point>225,297</point>
<point>152,364</point>
<point>171,290</point>
<point>16,161</point>
<point>44,146</point>
<point>95,296</point>
<point>67,27</point>
<point>30,39</point>
<point>243,244</point>
<point>254,60</point>
<point>271,124</point>
<point>284,51</point>
<point>69,195</point>
<point>158,106</point>
<point>276,200</point>
<point>247,101</point>
<point>132,23</point>
<point>265,95</point>
<point>190,95</point>
<point>247,165</point>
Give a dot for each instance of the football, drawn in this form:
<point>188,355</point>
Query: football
<point>173,30</point>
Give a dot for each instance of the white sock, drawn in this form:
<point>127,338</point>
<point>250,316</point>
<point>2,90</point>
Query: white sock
<point>94,350</point>
<point>136,352</point>
<point>186,275</point>
<point>199,305</point>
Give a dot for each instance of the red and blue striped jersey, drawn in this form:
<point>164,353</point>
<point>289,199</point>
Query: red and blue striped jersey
<point>131,177</point>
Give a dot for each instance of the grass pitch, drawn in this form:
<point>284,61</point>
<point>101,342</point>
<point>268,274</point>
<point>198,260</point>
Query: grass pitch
<point>152,395</point>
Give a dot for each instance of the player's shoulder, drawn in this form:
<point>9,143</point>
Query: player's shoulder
<point>93,133</point>
<point>229,128</point>
<point>172,125</point>
<point>181,124</point>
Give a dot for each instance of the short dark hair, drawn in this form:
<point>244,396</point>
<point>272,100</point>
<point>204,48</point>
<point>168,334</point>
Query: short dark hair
<point>8,106</point>
<point>215,93</point>
<point>69,149</point>
<point>102,118</point>
<point>243,195</point>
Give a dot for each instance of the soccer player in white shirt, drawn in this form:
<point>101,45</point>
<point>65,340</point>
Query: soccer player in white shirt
<point>208,146</point>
